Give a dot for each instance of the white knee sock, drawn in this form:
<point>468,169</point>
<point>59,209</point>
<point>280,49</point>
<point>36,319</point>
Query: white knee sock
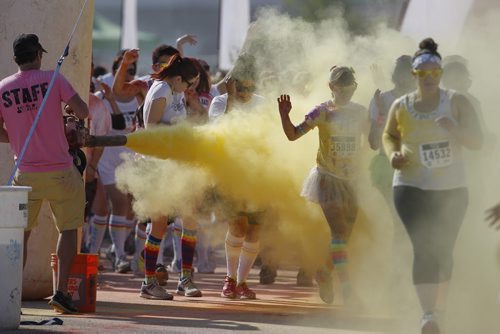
<point>233,250</point>
<point>118,230</point>
<point>248,255</point>
<point>98,226</point>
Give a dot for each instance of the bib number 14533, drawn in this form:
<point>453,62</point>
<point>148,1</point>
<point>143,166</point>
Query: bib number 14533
<point>436,155</point>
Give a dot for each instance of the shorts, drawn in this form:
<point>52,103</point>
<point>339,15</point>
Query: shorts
<point>111,158</point>
<point>65,192</point>
<point>225,207</point>
<point>323,188</point>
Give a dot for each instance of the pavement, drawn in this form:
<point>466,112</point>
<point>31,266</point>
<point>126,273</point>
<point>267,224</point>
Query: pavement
<point>280,308</point>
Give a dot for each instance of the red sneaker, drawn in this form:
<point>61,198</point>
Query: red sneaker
<point>244,292</point>
<point>229,289</point>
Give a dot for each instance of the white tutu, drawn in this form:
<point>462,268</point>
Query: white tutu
<point>321,187</point>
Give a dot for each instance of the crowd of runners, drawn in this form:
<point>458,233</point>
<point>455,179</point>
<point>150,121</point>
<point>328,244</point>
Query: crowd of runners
<point>418,129</point>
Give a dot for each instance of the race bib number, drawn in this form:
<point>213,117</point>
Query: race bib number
<point>436,155</point>
<point>343,146</point>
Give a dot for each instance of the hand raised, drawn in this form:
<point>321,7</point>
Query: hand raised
<point>191,39</point>
<point>130,56</point>
<point>493,216</point>
<point>284,105</point>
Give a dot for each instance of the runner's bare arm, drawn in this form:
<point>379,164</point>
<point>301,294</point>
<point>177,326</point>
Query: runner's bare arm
<point>156,112</point>
<point>391,138</point>
<point>292,132</point>
<point>78,106</point>
<point>122,88</point>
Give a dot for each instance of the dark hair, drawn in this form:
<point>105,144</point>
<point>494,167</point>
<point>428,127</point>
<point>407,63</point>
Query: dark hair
<point>427,46</point>
<point>177,66</point>
<point>204,82</point>
<point>163,50</point>
<point>403,66</point>
<point>99,70</point>
<point>25,58</point>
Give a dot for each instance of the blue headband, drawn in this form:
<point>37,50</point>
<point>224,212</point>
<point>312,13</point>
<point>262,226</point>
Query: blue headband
<point>425,58</point>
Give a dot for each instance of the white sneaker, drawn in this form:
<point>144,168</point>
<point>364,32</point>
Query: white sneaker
<point>154,291</point>
<point>122,266</point>
<point>429,324</point>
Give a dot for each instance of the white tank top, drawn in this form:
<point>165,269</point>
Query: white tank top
<point>435,157</point>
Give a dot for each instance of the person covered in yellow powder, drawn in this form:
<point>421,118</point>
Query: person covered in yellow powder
<point>242,237</point>
<point>330,184</point>
<point>423,138</point>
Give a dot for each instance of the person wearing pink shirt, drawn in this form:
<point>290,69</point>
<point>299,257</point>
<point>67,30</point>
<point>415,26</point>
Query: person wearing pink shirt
<point>46,166</point>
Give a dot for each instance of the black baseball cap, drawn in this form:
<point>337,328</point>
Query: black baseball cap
<point>26,43</point>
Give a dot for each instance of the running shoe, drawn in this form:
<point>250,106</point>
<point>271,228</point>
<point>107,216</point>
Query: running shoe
<point>154,291</point>
<point>62,303</point>
<point>267,275</point>
<point>122,266</point>
<point>304,278</point>
<point>161,274</point>
<point>325,283</point>
<point>244,292</point>
<point>229,288</point>
<point>186,287</point>
<point>429,324</point>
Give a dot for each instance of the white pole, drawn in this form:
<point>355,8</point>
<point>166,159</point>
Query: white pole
<point>234,23</point>
<point>129,33</point>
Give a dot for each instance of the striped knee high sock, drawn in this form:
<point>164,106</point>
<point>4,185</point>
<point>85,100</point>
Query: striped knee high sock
<point>338,253</point>
<point>249,252</point>
<point>161,252</point>
<point>188,246</point>
<point>118,230</point>
<point>233,251</point>
<point>151,249</point>
<point>98,226</point>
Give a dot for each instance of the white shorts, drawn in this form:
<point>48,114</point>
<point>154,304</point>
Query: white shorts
<point>111,158</point>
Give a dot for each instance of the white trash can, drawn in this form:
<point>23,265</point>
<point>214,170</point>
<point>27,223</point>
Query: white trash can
<point>13,221</point>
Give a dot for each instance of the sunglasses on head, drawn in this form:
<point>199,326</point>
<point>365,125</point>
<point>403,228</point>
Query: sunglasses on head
<point>435,73</point>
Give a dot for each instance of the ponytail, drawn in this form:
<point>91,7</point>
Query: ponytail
<point>177,66</point>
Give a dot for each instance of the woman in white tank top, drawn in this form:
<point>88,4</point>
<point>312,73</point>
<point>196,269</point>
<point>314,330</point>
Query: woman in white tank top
<point>423,139</point>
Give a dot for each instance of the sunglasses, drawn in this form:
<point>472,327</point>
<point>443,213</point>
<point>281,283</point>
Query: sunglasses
<point>131,71</point>
<point>435,73</point>
<point>242,88</point>
<point>350,87</point>
<point>189,84</point>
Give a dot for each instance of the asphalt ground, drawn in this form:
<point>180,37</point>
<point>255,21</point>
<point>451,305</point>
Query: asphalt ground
<point>281,307</point>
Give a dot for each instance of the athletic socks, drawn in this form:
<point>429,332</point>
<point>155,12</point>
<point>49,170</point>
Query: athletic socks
<point>338,254</point>
<point>249,253</point>
<point>188,245</point>
<point>151,249</point>
<point>233,250</point>
<point>98,226</point>
<point>118,230</point>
